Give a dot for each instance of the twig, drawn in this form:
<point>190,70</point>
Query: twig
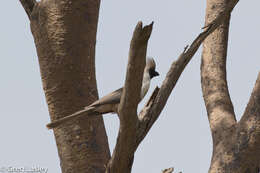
<point>151,114</point>
<point>132,130</point>
<point>169,170</point>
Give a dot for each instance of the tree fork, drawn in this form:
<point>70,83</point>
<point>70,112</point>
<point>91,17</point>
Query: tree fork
<point>235,144</point>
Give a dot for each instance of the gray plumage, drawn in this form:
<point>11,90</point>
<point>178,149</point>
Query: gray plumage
<point>110,102</point>
<point>112,98</point>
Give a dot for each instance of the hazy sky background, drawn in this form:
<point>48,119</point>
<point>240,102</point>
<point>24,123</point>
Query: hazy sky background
<point>181,136</point>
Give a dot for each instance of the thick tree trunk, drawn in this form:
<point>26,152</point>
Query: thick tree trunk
<point>235,144</point>
<point>65,36</point>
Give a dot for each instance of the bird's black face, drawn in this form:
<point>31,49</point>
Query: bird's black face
<point>153,73</point>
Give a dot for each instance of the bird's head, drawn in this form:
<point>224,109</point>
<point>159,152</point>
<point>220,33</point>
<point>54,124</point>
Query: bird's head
<point>150,68</point>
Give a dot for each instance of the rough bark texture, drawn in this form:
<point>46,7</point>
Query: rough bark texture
<point>131,136</point>
<point>133,130</point>
<point>235,144</point>
<point>123,155</point>
<point>213,72</point>
<point>155,105</point>
<point>65,35</point>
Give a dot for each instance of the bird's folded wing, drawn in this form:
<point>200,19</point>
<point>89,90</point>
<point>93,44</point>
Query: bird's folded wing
<point>112,98</point>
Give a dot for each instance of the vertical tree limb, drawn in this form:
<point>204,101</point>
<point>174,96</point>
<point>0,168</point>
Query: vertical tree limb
<point>152,110</point>
<point>213,72</point>
<point>235,145</point>
<point>123,154</point>
<point>157,101</point>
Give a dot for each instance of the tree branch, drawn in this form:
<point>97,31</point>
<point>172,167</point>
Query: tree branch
<point>151,112</point>
<point>250,121</point>
<point>213,70</point>
<point>169,170</point>
<point>253,106</point>
<point>239,151</point>
<point>132,128</point>
<point>123,154</point>
<point>28,6</point>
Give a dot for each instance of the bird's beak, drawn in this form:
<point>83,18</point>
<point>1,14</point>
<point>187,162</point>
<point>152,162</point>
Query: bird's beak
<point>155,74</point>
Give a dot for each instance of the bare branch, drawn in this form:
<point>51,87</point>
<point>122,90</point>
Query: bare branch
<point>132,130</point>
<point>223,14</point>
<point>136,63</point>
<point>213,70</point>
<point>28,6</point>
<point>151,113</point>
<point>169,170</point>
<point>123,154</point>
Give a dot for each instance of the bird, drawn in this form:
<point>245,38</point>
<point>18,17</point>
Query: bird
<point>110,102</point>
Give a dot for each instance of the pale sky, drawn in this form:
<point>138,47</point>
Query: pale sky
<point>181,136</point>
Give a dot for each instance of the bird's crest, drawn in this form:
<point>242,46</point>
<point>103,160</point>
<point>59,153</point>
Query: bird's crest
<point>150,63</point>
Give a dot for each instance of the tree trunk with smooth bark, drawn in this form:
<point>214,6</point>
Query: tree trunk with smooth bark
<point>64,32</point>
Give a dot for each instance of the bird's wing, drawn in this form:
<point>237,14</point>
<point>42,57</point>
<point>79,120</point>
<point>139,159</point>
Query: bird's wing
<point>112,98</point>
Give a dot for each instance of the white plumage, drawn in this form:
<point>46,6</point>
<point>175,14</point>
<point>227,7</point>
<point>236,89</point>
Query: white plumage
<point>110,102</point>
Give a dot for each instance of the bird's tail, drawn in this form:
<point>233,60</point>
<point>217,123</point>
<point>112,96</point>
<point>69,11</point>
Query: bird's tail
<point>75,115</point>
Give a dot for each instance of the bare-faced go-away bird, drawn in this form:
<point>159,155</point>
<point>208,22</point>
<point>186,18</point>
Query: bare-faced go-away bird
<point>110,102</point>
